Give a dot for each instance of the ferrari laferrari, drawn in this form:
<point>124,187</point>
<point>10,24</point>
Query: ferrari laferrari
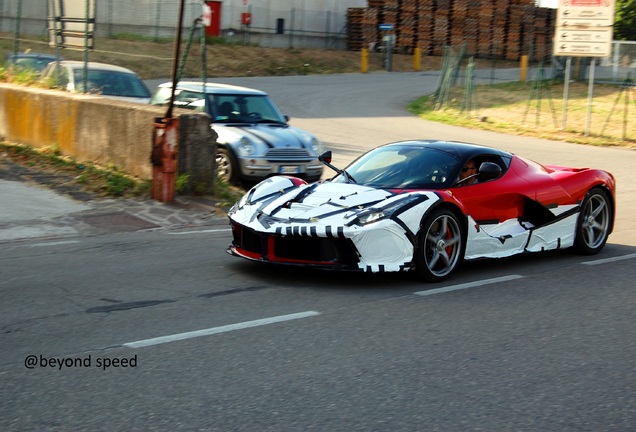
<point>418,206</point>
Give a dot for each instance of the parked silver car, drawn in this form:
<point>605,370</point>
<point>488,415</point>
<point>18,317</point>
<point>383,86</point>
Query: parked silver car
<point>254,140</point>
<point>104,79</point>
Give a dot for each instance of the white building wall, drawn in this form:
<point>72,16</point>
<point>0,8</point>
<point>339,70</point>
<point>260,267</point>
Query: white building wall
<point>303,19</point>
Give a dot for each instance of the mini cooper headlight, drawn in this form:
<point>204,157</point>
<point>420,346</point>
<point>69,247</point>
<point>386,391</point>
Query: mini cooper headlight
<point>246,147</point>
<point>316,145</point>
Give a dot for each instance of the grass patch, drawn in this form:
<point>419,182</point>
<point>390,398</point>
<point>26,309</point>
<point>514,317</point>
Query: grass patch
<point>102,181</point>
<point>226,194</point>
<point>533,110</point>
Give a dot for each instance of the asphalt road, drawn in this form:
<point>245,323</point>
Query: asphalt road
<point>160,329</point>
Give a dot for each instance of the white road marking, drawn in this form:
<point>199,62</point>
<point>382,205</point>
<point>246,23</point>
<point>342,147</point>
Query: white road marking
<point>468,285</point>
<point>608,260</point>
<point>200,231</point>
<point>56,243</point>
<point>216,330</point>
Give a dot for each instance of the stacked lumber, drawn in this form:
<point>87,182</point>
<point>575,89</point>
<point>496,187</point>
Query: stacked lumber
<point>545,20</point>
<point>407,26</point>
<point>441,26</point>
<point>356,28</point>
<point>425,26</point>
<point>490,28</point>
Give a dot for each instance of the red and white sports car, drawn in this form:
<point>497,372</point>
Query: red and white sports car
<point>412,205</point>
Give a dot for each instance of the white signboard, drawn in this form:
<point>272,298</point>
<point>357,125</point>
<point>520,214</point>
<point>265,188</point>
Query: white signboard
<point>585,13</point>
<point>592,42</point>
<point>71,23</point>
<point>584,28</point>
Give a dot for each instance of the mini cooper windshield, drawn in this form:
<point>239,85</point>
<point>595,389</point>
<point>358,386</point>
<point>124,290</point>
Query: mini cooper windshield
<point>227,108</point>
<point>403,167</point>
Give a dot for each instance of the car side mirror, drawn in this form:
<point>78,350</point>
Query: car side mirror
<point>325,157</point>
<point>489,171</point>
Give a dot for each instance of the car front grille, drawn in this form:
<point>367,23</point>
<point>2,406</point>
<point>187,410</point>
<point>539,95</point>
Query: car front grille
<point>295,249</point>
<point>285,154</point>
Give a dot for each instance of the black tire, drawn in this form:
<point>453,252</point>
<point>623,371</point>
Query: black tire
<point>226,166</point>
<point>440,246</point>
<point>594,222</point>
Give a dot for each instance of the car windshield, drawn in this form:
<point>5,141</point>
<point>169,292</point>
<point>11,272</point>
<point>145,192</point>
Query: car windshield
<point>238,108</point>
<point>111,83</point>
<point>403,166</point>
<point>36,63</point>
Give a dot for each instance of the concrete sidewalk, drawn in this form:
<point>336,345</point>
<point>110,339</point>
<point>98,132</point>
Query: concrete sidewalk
<point>30,211</point>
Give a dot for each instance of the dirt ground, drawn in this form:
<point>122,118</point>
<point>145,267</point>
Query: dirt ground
<point>154,59</point>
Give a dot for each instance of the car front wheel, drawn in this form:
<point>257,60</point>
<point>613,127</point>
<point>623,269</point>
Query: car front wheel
<point>594,223</point>
<point>226,167</point>
<point>440,245</point>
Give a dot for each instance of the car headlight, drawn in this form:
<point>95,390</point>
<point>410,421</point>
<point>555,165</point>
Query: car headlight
<point>246,147</point>
<point>371,215</point>
<point>316,145</point>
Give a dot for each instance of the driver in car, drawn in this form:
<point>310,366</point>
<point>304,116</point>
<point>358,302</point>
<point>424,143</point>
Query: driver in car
<point>469,169</point>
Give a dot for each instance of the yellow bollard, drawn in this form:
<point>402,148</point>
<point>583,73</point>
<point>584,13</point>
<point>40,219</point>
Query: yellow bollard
<point>364,60</point>
<point>417,60</point>
<point>524,68</point>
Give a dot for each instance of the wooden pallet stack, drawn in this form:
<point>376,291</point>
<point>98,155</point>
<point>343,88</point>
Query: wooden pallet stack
<point>545,20</point>
<point>356,28</point>
<point>371,21</point>
<point>425,26</point>
<point>458,13</point>
<point>513,32</point>
<point>441,26</point>
<point>484,11</point>
<point>499,26</point>
<point>504,29</point>
<point>407,26</point>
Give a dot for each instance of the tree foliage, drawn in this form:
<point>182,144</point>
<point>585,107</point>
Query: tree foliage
<point>625,20</point>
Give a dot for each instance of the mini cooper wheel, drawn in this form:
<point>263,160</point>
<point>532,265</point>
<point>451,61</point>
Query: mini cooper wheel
<point>226,167</point>
<point>594,223</point>
<point>440,245</point>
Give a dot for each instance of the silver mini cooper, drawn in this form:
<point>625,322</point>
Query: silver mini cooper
<point>254,140</point>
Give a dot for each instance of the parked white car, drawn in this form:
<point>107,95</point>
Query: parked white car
<point>104,79</point>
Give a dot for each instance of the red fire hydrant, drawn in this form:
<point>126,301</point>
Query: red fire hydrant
<point>165,140</point>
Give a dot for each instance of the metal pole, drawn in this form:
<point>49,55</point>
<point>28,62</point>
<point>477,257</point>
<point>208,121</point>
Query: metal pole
<point>16,42</point>
<point>204,62</point>
<point>389,52</point>
<point>493,53</point>
<point>327,28</point>
<point>86,46</point>
<point>590,93</point>
<point>616,60</point>
<point>291,28</point>
<point>566,91</point>
<point>157,20</point>
<point>628,84</point>
<point>110,19</point>
<point>175,59</point>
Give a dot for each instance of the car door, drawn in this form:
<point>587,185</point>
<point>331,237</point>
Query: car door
<point>495,201</point>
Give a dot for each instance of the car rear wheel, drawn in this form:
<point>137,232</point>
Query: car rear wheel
<point>594,223</point>
<point>226,167</point>
<point>440,245</point>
